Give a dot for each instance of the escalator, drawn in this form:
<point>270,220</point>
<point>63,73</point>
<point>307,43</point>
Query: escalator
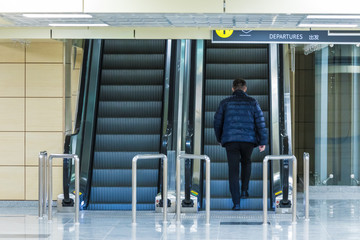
<point>224,63</point>
<point>127,93</point>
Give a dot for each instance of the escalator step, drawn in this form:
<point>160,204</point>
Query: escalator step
<point>232,71</point>
<point>121,206</point>
<point>132,77</point>
<point>131,61</point>
<point>134,46</point>
<point>127,142</point>
<point>130,109</point>
<point>122,194</point>
<point>114,160</point>
<point>122,177</point>
<point>130,93</point>
<point>245,204</point>
<point>236,55</point>
<point>129,125</point>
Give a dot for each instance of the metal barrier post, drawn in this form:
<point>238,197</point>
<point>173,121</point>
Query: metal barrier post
<point>42,199</point>
<point>265,177</point>
<point>265,190</point>
<point>306,184</point>
<point>207,182</point>
<point>45,183</point>
<point>134,167</point>
<point>77,183</point>
<point>49,186</point>
<point>77,188</point>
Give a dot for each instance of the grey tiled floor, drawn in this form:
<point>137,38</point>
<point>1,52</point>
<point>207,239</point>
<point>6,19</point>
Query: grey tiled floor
<point>329,219</point>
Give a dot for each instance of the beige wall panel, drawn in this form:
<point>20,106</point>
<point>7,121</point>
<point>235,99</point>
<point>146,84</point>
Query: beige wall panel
<point>32,183</point>
<point>44,80</point>
<point>25,33</point>
<point>12,183</point>
<point>13,120</point>
<point>45,52</point>
<point>154,6</point>
<point>32,176</point>
<point>39,6</point>
<point>12,80</point>
<point>12,148</point>
<point>52,142</point>
<point>44,114</point>
<point>172,33</point>
<point>93,33</point>
<point>292,6</point>
<point>12,52</point>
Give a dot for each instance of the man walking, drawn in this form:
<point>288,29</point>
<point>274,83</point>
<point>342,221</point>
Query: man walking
<point>239,126</point>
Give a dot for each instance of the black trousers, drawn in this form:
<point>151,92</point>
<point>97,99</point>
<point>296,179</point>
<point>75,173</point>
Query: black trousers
<point>239,152</point>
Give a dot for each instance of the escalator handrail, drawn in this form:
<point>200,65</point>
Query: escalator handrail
<point>189,149</point>
<point>67,168</point>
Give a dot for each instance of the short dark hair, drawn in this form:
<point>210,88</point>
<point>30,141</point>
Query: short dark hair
<point>239,84</point>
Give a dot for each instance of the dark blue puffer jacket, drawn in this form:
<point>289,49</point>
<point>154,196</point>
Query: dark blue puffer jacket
<point>239,119</point>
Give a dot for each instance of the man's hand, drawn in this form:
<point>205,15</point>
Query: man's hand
<point>262,148</point>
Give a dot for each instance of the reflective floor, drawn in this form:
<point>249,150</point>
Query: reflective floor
<point>329,219</point>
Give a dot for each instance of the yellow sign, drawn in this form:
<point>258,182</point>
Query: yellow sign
<point>277,193</point>
<point>224,33</point>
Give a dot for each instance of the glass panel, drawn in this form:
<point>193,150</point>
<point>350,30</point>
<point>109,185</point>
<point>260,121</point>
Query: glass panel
<point>337,115</point>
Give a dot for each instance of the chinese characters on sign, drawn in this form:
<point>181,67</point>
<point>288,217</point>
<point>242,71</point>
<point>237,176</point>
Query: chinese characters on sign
<point>314,37</point>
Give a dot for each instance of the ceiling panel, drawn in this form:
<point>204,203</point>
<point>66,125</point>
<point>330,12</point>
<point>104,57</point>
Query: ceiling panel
<point>212,21</point>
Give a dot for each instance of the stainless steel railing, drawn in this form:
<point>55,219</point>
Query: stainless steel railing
<point>265,184</point>
<point>207,182</point>
<point>42,183</point>
<point>45,183</point>
<point>306,184</point>
<point>134,167</point>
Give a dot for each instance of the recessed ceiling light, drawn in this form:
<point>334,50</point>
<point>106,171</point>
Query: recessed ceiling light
<point>333,16</point>
<point>46,15</point>
<point>78,25</point>
<point>327,25</point>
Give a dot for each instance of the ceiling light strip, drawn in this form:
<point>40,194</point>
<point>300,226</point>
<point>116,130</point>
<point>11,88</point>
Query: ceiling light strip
<point>327,25</point>
<point>333,16</point>
<point>78,25</point>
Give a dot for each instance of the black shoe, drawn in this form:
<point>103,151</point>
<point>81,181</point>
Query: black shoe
<point>236,207</point>
<point>244,194</point>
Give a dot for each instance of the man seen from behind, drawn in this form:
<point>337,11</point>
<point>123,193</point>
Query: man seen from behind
<point>239,126</point>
